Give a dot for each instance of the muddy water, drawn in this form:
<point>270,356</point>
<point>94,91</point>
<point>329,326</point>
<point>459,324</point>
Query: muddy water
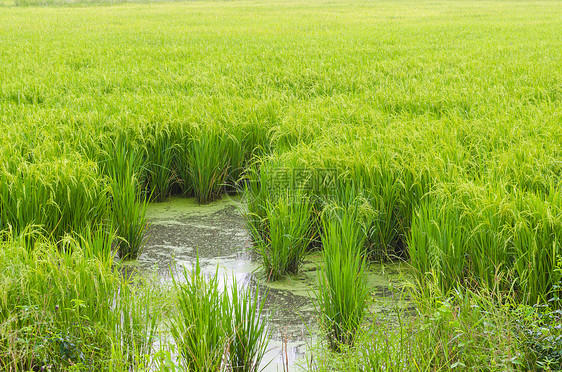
<point>181,229</point>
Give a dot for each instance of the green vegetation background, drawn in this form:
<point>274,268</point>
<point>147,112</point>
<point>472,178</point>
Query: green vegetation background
<point>444,116</point>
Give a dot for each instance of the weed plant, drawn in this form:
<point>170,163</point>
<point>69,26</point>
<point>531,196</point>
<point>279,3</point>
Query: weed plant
<point>464,329</point>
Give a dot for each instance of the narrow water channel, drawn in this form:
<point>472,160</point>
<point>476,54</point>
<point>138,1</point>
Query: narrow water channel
<point>180,229</point>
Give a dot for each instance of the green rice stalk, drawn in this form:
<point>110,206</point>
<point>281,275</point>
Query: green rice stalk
<point>249,335</point>
<point>342,285</point>
<point>198,325</point>
<point>288,233</point>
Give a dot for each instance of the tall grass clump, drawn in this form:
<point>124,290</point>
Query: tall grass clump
<point>343,289</point>
<point>60,196</point>
<point>256,190</point>
<point>128,204</point>
<point>237,154</point>
<point>536,239</point>
<point>217,328</point>
<point>459,234</point>
<point>129,215</point>
<point>287,233</point>
<point>98,241</point>
<point>390,221</point>
<point>470,233</point>
<point>438,247</point>
<point>63,309</point>
<point>160,167</point>
<point>197,327</point>
<point>248,332</point>
<point>204,162</point>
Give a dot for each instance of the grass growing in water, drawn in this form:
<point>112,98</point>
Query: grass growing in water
<point>218,328</point>
<point>286,235</point>
<point>197,327</point>
<point>207,162</point>
<point>249,335</point>
<point>342,285</point>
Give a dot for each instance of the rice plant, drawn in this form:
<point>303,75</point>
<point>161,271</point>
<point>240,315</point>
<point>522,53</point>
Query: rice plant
<point>198,328</point>
<point>207,163</point>
<point>129,214</point>
<point>128,207</point>
<point>288,231</point>
<point>256,189</point>
<point>98,241</point>
<point>536,239</point>
<point>66,308</point>
<point>438,247</point>
<point>161,172</point>
<point>389,224</point>
<point>60,195</point>
<point>342,285</point>
<point>217,328</point>
<point>247,328</point>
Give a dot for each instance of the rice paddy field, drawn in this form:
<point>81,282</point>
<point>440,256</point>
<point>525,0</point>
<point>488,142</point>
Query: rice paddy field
<point>422,132</point>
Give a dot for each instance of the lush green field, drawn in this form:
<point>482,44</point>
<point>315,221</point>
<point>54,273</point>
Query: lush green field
<point>441,121</point>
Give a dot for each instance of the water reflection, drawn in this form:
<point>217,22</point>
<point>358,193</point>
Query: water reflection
<point>181,229</point>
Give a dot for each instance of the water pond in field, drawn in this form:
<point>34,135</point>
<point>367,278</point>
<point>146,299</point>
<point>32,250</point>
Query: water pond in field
<point>180,229</point>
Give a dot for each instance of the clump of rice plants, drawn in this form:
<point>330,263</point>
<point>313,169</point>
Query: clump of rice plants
<point>388,225</point>
<point>343,289</point>
<point>437,244</point>
<point>61,196</point>
<point>129,214</point>
<point>464,328</point>
<point>206,162</point>
<point>471,233</point>
<point>197,328</point>
<point>68,309</point>
<point>536,239</point>
<point>247,329</point>
<point>216,328</point>
<point>287,233</point>
<point>236,153</point>
<point>160,167</point>
<point>128,204</point>
<point>256,190</point>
